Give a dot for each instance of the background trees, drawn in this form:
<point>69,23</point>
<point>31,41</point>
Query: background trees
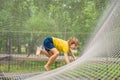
<point>74,17</point>
<point>42,15</point>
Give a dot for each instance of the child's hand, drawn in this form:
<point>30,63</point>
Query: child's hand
<point>75,58</point>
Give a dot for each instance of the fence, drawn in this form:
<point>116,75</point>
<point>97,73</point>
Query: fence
<point>17,51</point>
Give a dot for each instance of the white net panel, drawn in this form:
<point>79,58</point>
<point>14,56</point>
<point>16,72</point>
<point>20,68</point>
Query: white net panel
<point>101,58</point>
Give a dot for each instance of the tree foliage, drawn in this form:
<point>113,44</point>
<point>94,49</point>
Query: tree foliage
<point>45,15</point>
<point>72,16</point>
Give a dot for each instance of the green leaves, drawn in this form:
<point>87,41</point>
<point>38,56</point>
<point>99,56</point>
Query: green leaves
<point>70,17</point>
<point>74,15</point>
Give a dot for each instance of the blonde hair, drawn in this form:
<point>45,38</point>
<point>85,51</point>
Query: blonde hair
<point>73,40</point>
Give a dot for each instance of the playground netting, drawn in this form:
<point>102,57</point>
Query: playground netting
<point>17,53</point>
<point>100,60</point>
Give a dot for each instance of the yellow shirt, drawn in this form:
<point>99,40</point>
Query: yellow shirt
<point>61,45</point>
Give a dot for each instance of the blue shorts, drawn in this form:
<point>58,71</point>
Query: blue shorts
<point>48,44</point>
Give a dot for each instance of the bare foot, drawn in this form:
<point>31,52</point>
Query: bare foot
<point>47,68</point>
<point>38,52</point>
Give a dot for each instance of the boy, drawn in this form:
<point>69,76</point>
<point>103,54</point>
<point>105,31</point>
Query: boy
<point>54,45</point>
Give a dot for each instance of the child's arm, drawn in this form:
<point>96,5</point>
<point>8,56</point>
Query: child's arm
<point>66,58</point>
<point>72,54</point>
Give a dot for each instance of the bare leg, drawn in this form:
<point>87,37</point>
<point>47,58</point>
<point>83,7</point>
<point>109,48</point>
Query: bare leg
<point>52,58</point>
<point>45,52</point>
<point>40,50</point>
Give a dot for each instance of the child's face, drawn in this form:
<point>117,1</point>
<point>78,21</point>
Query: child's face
<point>73,46</point>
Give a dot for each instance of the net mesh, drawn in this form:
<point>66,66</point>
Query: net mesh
<point>100,59</point>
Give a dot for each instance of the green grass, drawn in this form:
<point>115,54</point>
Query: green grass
<point>28,66</point>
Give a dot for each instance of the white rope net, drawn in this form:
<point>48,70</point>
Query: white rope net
<point>100,59</point>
